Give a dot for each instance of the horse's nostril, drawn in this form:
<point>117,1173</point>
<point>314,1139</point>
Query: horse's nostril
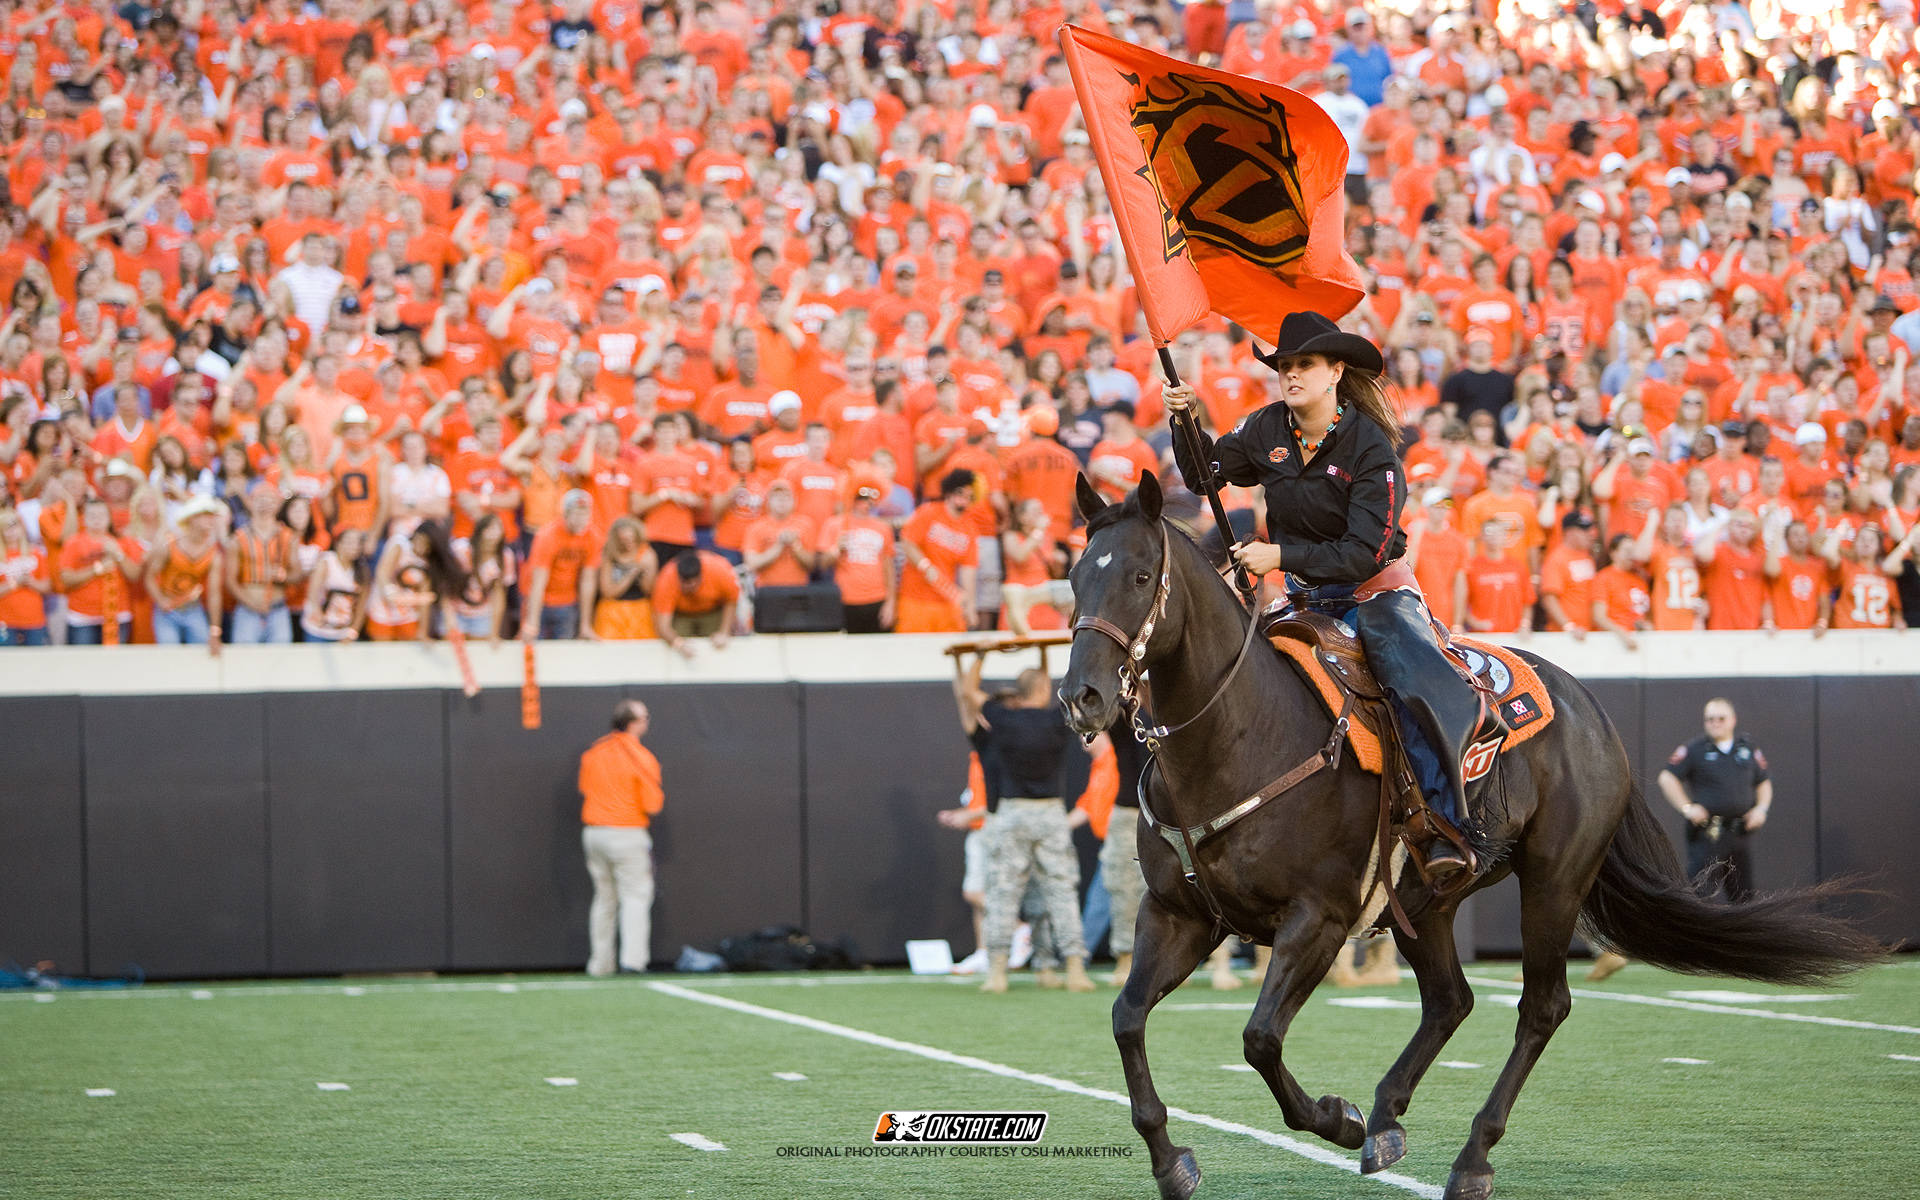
<point>1088,698</point>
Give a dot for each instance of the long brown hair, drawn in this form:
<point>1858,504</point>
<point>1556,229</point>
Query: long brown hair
<point>1362,390</point>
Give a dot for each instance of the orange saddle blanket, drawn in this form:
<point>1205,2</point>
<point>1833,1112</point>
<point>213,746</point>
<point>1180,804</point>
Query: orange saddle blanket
<point>1516,691</point>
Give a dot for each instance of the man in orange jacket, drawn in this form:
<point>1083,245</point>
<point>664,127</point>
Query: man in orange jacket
<point>620,780</point>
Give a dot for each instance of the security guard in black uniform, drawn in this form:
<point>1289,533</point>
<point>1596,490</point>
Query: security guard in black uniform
<point>1719,783</point>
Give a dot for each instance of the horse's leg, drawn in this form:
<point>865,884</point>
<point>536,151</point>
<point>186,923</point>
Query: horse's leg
<point>1166,949</point>
<point>1548,909</point>
<point>1445,1001</point>
<point>1303,948</point>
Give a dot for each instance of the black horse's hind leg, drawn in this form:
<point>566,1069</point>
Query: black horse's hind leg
<point>1303,949</point>
<point>1445,1001</point>
<point>1548,909</point>
<point>1166,949</point>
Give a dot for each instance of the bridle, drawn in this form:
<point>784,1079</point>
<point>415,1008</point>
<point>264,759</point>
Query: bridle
<point>1135,647</point>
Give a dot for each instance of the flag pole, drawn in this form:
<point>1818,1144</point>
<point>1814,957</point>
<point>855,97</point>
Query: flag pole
<point>1210,482</point>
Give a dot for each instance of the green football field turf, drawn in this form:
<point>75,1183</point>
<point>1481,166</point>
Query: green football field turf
<point>449,1092</point>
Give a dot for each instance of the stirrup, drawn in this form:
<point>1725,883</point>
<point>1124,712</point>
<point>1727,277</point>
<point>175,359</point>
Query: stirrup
<point>1441,853</point>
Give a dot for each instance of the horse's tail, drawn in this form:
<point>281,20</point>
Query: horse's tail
<point>1643,906</point>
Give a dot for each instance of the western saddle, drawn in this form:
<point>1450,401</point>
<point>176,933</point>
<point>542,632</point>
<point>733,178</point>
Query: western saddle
<point>1405,809</point>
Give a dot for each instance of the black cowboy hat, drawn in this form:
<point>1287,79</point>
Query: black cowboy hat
<point>1311,333</point>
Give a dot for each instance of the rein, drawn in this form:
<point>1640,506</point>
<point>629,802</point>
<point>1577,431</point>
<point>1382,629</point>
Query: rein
<point>1185,840</point>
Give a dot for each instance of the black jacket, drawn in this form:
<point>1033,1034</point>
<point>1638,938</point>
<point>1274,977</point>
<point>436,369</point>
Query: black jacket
<point>1336,519</point>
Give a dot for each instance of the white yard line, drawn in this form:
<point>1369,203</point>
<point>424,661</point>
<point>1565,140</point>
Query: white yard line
<point>166,991</point>
<point>1696,1006</point>
<point>1304,1149</point>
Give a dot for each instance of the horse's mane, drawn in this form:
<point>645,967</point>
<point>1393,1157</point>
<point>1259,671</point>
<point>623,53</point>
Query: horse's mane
<point>1209,545</point>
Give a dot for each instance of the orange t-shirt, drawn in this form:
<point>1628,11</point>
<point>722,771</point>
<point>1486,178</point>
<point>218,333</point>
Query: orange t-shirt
<point>716,586</point>
<point>671,521</point>
<point>946,541</point>
<point>1103,788</point>
<point>1736,587</point>
<point>784,571</point>
<point>620,780</point>
<point>1498,592</point>
<point>1625,595</point>
<point>21,607</point>
<point>1867,599</point>
<point>1516,513</point>
<point>1044,470</point>
<point>1676,586</point>
<point>1442,553</point>
<point>564,554</point>
<point>866,547</point>
<point>1569,574</point>
<point>1796,592</point>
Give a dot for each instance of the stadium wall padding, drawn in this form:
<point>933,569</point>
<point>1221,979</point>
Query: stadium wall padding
<point>43,901</point>
<point>357,866</point>
<point>176,835</point>
<point>1870,797</point>
<point>315,833</point>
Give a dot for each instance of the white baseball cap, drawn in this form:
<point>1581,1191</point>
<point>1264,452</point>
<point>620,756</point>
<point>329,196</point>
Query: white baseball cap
<point>1811,434</point>
<point>1679,175</point>
<point>1613,162</point>
<point>781,402</point>
<point>1640,446</point>
<point>650,283</point>
<point>982,116</point>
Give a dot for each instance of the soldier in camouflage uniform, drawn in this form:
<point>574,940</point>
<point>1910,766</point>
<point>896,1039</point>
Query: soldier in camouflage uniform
<point>1022,740</point>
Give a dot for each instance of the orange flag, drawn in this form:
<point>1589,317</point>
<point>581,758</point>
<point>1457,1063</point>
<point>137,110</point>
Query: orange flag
<point>1227,191</point>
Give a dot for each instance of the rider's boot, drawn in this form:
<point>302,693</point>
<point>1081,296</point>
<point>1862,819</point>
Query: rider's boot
<point>1077,980</point>
<point>996,972</point>
<point>1437,713</point>
<point>1122,967</point>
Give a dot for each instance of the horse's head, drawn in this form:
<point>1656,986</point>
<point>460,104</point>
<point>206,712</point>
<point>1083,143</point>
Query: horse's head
<point>1116,581</point>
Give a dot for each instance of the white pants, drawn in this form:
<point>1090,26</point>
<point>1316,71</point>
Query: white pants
<point>620,859</point>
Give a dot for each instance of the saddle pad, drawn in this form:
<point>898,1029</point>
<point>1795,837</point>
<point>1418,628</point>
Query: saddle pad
<point>1363,742</point>
<point>1524,702</point>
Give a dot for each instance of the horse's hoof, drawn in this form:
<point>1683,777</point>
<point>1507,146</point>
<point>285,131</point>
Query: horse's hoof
<point>1180,1179</point>
<point>1352,1133</point>
<point>1383,1150</point>
<point>1469,1185</point>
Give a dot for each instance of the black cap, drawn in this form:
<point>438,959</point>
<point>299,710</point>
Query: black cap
<point>1124,407</point>
<point>1884,303</point>
<point>1576,520</point>
<point>1734,428</point>
<point>993,276</point>
<point>350,305</point>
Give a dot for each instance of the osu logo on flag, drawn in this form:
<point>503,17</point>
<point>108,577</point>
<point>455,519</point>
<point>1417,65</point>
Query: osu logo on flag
<point>1224,166</point>
<point>954,1128</point>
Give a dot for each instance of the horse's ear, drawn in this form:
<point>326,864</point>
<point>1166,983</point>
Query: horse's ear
<point>1090,501</point>
<point>1150,497</point>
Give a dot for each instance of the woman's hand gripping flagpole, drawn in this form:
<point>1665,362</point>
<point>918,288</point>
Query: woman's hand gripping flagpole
<point>1208,486</point>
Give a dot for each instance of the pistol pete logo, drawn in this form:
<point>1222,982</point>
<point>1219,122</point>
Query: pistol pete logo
<point>956,1128</point>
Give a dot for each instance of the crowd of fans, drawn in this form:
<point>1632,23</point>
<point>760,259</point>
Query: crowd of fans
<point>599,319</point>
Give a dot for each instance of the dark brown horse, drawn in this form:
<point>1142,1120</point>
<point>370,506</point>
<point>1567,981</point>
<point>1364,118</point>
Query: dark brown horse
<point>1566,817</point>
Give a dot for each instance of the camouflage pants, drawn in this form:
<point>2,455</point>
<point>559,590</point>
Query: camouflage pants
<point>1120,869</point>
<point>1029,840</point>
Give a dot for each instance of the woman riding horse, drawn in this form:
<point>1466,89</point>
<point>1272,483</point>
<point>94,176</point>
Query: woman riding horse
<point>1334,485</point>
